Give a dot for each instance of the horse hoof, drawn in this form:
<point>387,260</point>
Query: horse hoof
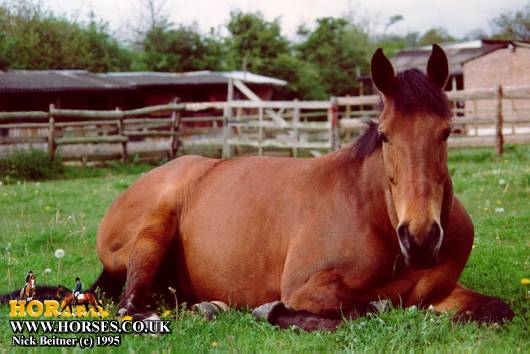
<point>209,309</point>
<point>493,311</point>
<point>264,311</point>
<point>148,316</point>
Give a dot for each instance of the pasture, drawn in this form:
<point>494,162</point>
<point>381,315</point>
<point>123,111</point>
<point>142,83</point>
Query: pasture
<point>40,217</point>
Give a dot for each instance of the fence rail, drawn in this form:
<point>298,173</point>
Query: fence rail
<point>486,117</point>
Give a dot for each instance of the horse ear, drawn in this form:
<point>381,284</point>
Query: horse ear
<point>382,71</point>
<point>438,67</point>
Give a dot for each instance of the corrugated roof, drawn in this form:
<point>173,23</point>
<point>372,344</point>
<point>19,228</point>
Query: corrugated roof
<point>418,58</point>
<point>82,80</point>
<point>56,80</point>
<point>151,78</point>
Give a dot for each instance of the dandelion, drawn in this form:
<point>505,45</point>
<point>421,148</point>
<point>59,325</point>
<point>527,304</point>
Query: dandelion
<point>47,271</point>
<point>59,253</point>
<point>215,344</point>
<point>525,281</point>
<point>126,318</point>
<point>499,210</point>
<point>166,313</point>
<point>48,208</point>
<point>502,182</point>
<point>174,292</point>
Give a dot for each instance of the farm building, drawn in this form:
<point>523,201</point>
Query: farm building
<point>457,54</point>
<point>27,90</point>
<point>508,66</point>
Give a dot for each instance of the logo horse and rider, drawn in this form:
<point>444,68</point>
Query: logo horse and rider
<point>69,298</point>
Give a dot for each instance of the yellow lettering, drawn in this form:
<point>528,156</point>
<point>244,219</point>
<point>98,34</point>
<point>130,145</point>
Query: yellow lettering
<point>31,308</point>
<point>52,308</point>
<point>17,308</point>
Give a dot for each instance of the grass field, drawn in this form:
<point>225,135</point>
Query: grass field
<point>39,217</point>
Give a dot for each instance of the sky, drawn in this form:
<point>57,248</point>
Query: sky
<point>458,17</point>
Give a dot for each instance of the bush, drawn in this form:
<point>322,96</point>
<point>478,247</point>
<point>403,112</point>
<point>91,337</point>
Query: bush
<point>30,164</point>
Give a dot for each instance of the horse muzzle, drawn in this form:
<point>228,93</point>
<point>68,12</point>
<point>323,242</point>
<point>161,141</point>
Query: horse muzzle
<point>420,254</point>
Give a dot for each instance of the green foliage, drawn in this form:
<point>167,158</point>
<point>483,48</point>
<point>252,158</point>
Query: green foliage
<point>435,35</point>
<point>30,165</point>
<point>181,49</point>
<point>31,38</point>
<point>513,25</point>
<point>339,50</point>
<point>254,43</point>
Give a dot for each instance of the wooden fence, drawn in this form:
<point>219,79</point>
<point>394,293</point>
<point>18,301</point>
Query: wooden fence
<point>299,128</point>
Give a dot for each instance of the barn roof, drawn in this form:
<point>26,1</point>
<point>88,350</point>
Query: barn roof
<point>457,54</point>
<point>151,78</point>
<point>56,80</point>
<point>82,80</point>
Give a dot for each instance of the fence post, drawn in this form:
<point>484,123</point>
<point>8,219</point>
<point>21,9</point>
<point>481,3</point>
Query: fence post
<point>175,129</point>
<point>260,131</point>
<point>121,132</point>
<point>334,138</point>
<point>227,117</point>
<point>51,134</point>
<point>499,139</point>
<point>296,122</point>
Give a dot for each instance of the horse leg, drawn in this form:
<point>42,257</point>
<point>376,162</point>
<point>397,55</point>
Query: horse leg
<point>469,305</point>
<point>144,261</point>
<point>319,304</point>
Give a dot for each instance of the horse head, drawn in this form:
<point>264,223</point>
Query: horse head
<point>60,292</point>
<point>413,130</point>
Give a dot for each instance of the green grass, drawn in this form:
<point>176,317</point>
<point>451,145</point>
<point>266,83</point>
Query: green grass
<point>39,217</point>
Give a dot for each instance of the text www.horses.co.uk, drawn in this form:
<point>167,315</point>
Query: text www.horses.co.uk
<point>89,333</point>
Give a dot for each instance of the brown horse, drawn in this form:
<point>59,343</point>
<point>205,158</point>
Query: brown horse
<point>28,292</point>
<point>319,238</point>
<point>87,298</point>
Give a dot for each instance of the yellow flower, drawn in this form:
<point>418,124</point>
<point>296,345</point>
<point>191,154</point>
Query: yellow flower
<point>166,313</point>
<point>215,344</point>
<point>525,281</point>
<point>126,318</point>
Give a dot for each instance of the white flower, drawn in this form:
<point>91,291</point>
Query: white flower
<point>59,253</point>
<point>47,271</point>
<point>502,182</point>
<point>499,210</point>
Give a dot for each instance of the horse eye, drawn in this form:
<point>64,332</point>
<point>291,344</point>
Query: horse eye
<point>383,138</point>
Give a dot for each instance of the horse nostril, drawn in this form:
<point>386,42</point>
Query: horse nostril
<point>404,235</point>
<point>433,238</point>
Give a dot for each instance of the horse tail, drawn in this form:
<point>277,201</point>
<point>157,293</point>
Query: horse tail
<point>109,285</point>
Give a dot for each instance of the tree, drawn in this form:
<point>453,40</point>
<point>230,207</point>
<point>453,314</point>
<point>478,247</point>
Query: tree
<point>254,43</point>
<point>513,25</point>
<point>31,38</point>
<point>339,50</point>
<point>182,49</point>
<point>435,35</point>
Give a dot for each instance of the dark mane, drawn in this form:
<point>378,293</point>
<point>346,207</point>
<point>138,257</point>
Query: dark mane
<point>412,92</point>
<point>367,142</point>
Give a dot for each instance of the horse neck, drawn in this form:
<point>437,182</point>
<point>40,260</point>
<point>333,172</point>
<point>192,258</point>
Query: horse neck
<point>365,182</point>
